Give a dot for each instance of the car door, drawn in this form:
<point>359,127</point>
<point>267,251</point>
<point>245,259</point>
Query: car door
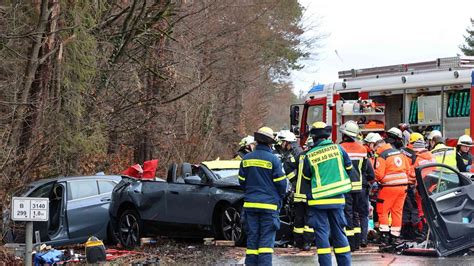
<point>448,204</point>
<point>87,209</point>
<point>188,203</point>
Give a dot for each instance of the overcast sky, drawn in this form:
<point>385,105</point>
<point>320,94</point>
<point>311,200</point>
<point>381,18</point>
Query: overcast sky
<point>369,33</point>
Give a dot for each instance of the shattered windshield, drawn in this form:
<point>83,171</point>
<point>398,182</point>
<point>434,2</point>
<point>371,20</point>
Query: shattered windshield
<point>225,173</point>
<point>439,179</point>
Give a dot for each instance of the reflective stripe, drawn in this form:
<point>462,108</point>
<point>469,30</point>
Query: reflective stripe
<point>292,159</point>
<point>395,230</point>
<point>349,167</point>
<point>327,201</point>
<point>299,200</point>
<point>342,250</point>
<point>242,178</point>
<point>349,232</point>
<point>323,250</point>
<point>279,178</point>
<point>307,178</point>
<point>301,196</point>
<point>251,252</point>
<point>291,175</point>
<point>356,155</point>
<point>395,179</point>
<point>333,185</point>
<point>339,190</point>
<point>308,229</point>
<point>384,228</point>
<point>357,230</point>
<point>265,250</point>
<point>257,163</point>
<point>298,230</point>
<point>256,205</point>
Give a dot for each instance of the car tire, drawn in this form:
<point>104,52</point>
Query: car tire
<point>129,229</point>
<point>231,227</point>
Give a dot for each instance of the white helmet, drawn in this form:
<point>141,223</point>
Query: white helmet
<point>465,140</point>
<point>247,141</point>
<point>286,135</point>
<point>395,131</point>
<point>350,128</point>
<point>433,134</point>
<point>373,138</point>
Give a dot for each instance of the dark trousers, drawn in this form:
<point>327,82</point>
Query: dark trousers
<point>329,228</point>
<point>351,212</point>
<point>303,233</point>
<point>261,228</point>
<point>364,214</point>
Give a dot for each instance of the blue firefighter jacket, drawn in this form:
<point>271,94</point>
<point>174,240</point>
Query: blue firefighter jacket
<point>262,178</point>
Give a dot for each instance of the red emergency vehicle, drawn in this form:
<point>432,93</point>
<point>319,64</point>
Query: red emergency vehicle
<point>426,95</point>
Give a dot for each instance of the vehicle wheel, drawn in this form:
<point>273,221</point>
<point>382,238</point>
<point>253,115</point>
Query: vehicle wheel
<point>231,227</point>
<point>129,229</point>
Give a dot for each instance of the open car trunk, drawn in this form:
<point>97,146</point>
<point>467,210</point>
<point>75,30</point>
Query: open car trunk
<point>448,204</point>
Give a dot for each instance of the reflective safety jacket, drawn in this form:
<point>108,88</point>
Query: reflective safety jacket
<point>262,178</point>
<point>421,158</point>
<point>358,155</point>
<point>290,162</point>
<point>391,166</point>
<point>302,187</point>
<point>327,167</point>
<point>445,155</point>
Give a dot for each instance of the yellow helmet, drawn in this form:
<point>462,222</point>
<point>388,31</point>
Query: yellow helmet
<point>415,136</point>
<point>320,130</point>
<point>264,135</point>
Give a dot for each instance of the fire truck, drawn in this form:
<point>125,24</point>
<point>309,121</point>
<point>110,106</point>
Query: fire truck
<point>426,95</point>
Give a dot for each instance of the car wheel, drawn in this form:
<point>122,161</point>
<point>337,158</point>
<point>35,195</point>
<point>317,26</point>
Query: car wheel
<point>129,229</point>
<point>230,225</point>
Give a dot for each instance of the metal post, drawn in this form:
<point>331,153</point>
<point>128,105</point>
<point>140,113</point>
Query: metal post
<point>442,113</point>
<point>29,243</point>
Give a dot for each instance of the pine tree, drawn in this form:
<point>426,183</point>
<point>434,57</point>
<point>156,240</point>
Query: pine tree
<point>468,47</point>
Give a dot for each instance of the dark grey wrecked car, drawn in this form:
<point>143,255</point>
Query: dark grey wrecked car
<point>195,201</point>
<point>448,204</point>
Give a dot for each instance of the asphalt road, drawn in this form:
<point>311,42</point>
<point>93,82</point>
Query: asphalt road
<point>365,259</point>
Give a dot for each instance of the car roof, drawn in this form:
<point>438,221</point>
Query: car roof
<point>72,178</point>
<point>222,164</point>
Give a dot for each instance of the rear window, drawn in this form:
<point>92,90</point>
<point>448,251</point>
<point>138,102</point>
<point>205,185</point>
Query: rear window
<point>106,186</point>
<point>82,189</point>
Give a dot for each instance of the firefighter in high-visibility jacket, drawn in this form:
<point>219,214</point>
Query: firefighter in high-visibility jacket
<point>326,168</point>
<point>357,203</point>
<point>391,171</point>
<point>264,183</point>
<point>442,153</point>
<point>302,232</point>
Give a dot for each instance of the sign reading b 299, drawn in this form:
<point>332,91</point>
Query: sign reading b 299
<point>30,209</point>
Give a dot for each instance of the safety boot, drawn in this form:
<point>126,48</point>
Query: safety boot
<point>357,241</point>
<point>352,243</point>
<point>306,247</point>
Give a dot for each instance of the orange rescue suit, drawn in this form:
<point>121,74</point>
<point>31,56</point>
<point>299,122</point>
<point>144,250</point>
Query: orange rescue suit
<point>391,171</point>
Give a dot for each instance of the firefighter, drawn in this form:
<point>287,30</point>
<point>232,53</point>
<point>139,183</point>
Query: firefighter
<point>430,137</point>
<point>264,183</point>
<point>406,132</point>
<point>326,169</point>
<point>391,172</point>
<point>463,155</point>
<point>289,153</point>
<point>410,208</point>
<point>302,232</point>
<point>442,153</point>
<point>423,156</point>
<point>357,204</point>
<point>247,145</point>
<point>373,188</point>
<point>394,138</point>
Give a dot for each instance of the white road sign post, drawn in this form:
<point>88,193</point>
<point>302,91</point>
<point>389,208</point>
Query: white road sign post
<point>30,210</point>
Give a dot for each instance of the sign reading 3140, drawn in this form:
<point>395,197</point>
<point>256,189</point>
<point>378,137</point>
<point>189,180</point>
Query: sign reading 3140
<point>30,209</point>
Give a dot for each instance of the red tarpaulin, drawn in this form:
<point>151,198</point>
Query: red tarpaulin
<point>147,172</point>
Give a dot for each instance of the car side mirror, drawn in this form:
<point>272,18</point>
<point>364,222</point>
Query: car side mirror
<point>192,180</point>
<point>294,115</point>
